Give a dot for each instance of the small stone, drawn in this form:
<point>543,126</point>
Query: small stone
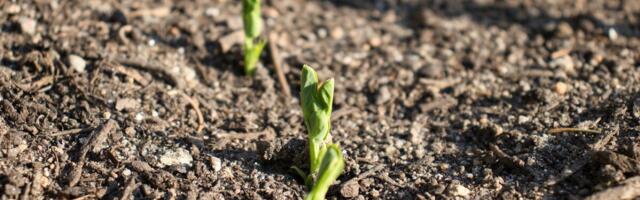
<point>523,119</point>
<point>27,25</point>
<point>432,71</point>
<point>459,190</point>
<point>393,54</point>
<point>130,131</point>
<point>212,12</point>
<point>415,135</point>
<point>564,30</point>
<point>139,116</point>
<point>12,9</point>
<point>216,163</point>
<point>141,166</point>
<point>127,104</point>
<point>178,157</point>
<point>106,115</point>
<point>77,63</point>
<point>613,34</point>
<point>227,41</point>
<point>337,33</point>
<point>383,95</point>
<point>321,32</point>
<point>565,63</point>
<point>374,193</point>
<point>126,172</point>
<point>389,17</point>
<point>375,41</point>
<point>350,190</point>
<point>560,88</point>
<point>151,42</point>
<point>270,12</point>
<point>391,151</point>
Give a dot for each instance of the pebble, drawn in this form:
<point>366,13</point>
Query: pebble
<point>322,33</point>
<point>216,163</point>
<point>564,30</point>
<point>337,33</point>
<point>270,12</point>
<point>383,95</point>
<point>27,25</point>
<point>560,88</point>
<point>212,12</point>
<point>106,115</point>
<point>375,41</point>
<point>151,42</point>
<point>141,166</point>
<point>565,63</point>
<point>613,34</point>
<point>415,136</point>
<point>77,63</point>
<point>350,190</point>
<point>12,9</point>
<point>432,71</point>
<point>459,190</point>
<point>178,157</point>
<point>522,119</point>
<point>126,172</point>
<point>139,116</point>
<point>127,104</point>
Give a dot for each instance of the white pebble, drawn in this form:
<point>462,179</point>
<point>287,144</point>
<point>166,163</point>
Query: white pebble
<point>613,34</point>
<point>27,25</point>
<point>77,63</point>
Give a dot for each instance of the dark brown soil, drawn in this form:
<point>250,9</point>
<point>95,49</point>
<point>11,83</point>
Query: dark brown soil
<point>440,99</point>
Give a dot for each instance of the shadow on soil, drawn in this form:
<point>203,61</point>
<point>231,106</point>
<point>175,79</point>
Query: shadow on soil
<point>534,19</point>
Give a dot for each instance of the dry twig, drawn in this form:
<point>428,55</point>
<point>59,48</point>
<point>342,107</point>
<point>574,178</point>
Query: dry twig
<point>275,57</point>
<point>196,107</point>
<point>512,161</point>
<point>71,132</point>
<point>98,137</point>
<point>560,130</point>
<point>155,67</point>
<point>267,133</point>
<point>128,190</point>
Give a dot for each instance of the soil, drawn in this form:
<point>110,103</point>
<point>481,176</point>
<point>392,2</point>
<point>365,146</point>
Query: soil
<point>439,99</point>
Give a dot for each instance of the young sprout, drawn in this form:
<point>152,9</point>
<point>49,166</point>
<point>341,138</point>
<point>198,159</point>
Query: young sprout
<point>330,168</point>
<point>326,160</point>
<point>252,28</point>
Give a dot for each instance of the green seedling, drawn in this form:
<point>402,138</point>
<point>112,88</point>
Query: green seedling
<point>330,168</point>
<point>252,28</point>
<point>326,160</point>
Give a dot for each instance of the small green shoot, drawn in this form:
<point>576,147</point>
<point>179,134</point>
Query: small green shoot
<point>252,27</point>
<point>330,168</point>
<point>326,160</point>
